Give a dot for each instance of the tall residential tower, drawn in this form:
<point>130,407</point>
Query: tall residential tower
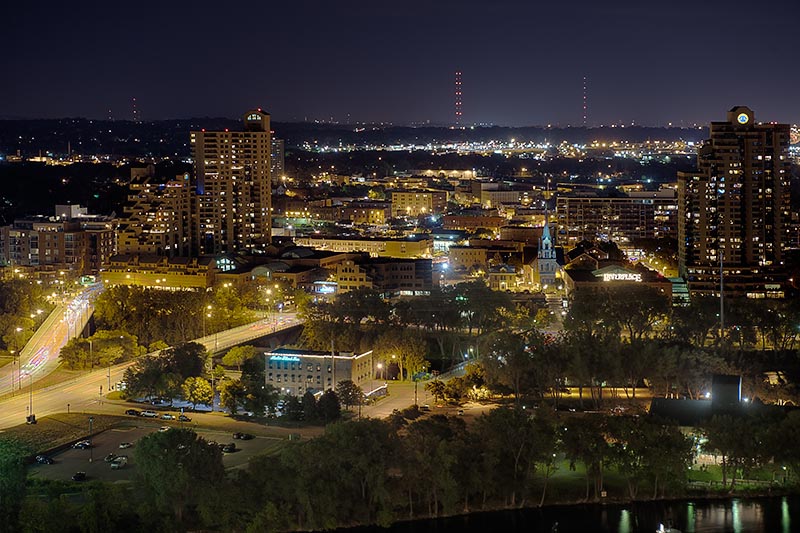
<point>734,210</point>
<point>232,169</point>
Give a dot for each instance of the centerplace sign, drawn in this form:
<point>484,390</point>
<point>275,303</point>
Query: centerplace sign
<point>622,276</point>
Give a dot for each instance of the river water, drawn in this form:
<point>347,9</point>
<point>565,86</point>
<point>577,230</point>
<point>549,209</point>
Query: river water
<point>757,515</point>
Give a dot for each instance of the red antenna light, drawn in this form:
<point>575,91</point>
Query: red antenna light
<point>458,98</point>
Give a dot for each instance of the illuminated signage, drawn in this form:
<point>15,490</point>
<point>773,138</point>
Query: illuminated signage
<point>622,276</point>
<point>284,358</point>
<point>253,116</point>
<point>742,118</point>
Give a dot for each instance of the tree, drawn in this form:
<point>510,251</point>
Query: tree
<point>13,477</point>
<point>349,393</point>
<point>328,407</point>
<point>437,389</point>
<point>737,439</point>
<point>231,395</point>
<point>293,409</point>
<point>636,310</point>
<point>583,440</point>
<point>177,469</point>
<point>310,408</point>
<point>196,390</point>
<point>237,355</point>
<point>403,347</point>
<point>186,360</point>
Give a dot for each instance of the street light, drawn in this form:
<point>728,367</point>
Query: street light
<point>31,416</point>
<point>206,315</point>
<point>380,370</point>
<point>91,452</point>
<point>16,359</point>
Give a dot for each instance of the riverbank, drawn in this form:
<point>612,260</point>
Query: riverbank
<point>710,515</point>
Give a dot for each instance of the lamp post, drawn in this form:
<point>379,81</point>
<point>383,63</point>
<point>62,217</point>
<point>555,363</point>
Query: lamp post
<point>13,367</point>
<point>91,452</point>
<point>16,359</point>
<point>30,401</point>
<point>380,370</point>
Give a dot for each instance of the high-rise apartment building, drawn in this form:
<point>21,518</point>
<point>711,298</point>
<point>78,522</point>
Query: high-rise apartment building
<point>232,172</point>
<point>598,215</point>
<point>278,159</point>
<point>734,211</point>
<point>158,218</point>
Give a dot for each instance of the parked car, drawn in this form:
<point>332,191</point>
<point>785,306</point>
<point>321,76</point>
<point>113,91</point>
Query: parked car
<point>79,476</point>
<point>148,414</point>
<point>119,462</point>
<point>123,445</point>
<point>229,448</point>
<point>162,429</point>
<point>82,445</point>
<point>161,401</point>
<point>243,436</point>
<point>132,412</point>
<point>425,407</point>
<point>44,460</point>
<point>184,418</point>
<point>110,457</point>
<point>460,412</point>
<point>167,416</point>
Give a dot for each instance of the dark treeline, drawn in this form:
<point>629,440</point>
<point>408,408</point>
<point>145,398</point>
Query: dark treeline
<point>619,338</point>
<point>375,472</point>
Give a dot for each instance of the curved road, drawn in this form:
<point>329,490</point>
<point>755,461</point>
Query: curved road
<point>39,356</point>
<point>85,393</point>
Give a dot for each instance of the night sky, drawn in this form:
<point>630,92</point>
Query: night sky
<point>651,62</point>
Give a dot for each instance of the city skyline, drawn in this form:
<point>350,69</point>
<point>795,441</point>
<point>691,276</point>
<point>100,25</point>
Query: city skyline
<point>520,64</point>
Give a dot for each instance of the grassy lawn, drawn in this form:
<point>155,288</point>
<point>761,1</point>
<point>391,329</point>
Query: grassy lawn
<point>58,430</point>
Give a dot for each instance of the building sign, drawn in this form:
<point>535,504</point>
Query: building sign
<point>253,116</point>
<point>285,359</point>
<point>622,276</point>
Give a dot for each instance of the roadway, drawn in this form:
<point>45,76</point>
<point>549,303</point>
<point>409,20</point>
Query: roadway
<point>85,393</point>
<point>39,357</point>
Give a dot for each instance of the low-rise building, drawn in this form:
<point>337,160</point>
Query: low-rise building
<point>161,272</point>
<point>299,371</point>
<point>395,277</point>
<point>473,222</point>
<point>71,240</point>
<point>413,247</point>
<point>416,203</point>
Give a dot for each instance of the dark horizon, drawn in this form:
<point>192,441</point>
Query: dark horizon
<point>683,63</point>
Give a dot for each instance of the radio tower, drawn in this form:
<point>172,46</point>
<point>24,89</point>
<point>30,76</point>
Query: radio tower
<point>585,103</point>
<point>136,117</point>
<point>458,98</point>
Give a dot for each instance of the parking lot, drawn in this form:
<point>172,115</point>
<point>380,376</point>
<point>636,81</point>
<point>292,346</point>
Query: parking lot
<point>70,461</point>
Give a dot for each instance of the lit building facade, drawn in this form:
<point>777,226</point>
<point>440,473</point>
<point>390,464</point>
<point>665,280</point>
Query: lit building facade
<point>638,215</point>
<point>71,240</point>
<point>277,168</point>
<point>400,248</point>
<point>299,371</point>
<point>416,203</point>
<point>734,210</point>
<point>232,172</point>
<point>158,218</point>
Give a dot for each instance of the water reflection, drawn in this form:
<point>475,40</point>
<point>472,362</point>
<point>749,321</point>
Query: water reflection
<point>785,519</point>
<point>764,515</point>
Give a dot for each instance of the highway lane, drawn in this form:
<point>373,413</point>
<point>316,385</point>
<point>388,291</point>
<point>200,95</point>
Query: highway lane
<point>39,356</point>
<point>84,394</point>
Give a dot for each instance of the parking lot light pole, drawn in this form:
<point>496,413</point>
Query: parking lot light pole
<point>91,450</point>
